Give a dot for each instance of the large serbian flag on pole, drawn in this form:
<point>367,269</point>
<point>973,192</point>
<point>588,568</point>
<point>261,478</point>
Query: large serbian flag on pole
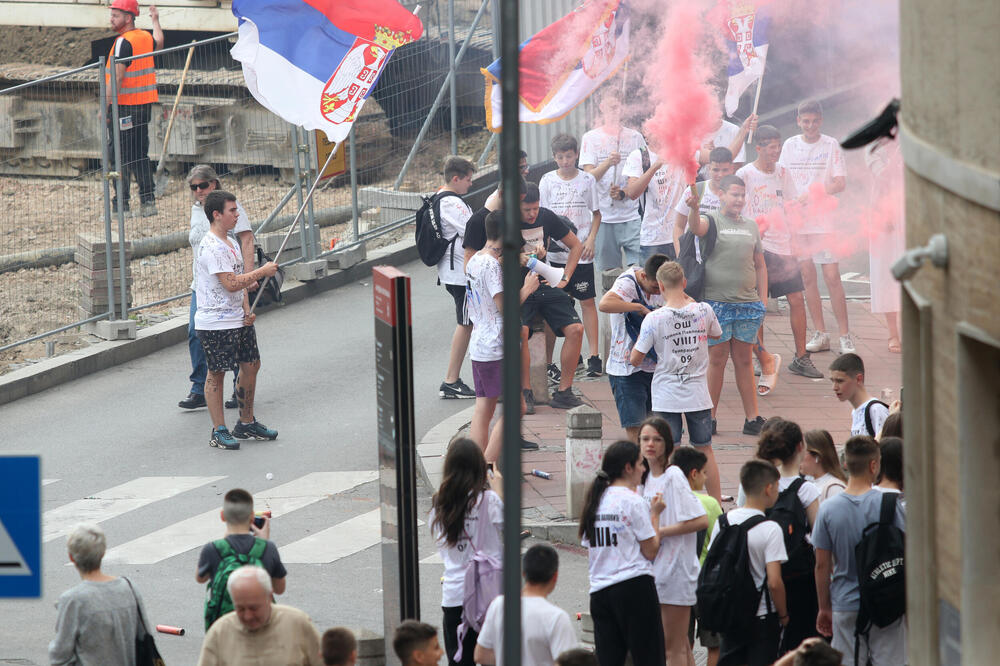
<point>564,63</point>
<point>315,62</point>
<point>746,35</point>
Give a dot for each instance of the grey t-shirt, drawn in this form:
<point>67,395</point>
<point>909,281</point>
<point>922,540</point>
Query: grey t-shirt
<point>839,524</point>
<point>730,273</point>
<point>209,559</point>
<point>97,625</point>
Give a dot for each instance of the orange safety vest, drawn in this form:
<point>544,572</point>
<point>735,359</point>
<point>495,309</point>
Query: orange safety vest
<point>139,83</point>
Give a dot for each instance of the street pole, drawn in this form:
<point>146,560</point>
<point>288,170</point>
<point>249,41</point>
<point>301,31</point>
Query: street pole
<point>510,148</point>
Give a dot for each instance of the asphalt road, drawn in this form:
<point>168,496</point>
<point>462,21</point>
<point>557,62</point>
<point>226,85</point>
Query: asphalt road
<point>117,450</point>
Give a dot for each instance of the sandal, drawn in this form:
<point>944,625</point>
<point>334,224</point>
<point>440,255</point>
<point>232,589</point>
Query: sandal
<point>768,382</point>
<point>894,345</point>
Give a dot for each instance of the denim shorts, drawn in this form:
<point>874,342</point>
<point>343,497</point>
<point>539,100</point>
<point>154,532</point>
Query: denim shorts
<point>739,321</point>
<point>699,426</point>
<point>633,397</point>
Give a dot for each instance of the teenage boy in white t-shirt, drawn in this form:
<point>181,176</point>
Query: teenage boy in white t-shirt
<point>546,630</point>
<point>720,165</point>
<point>455,213</point>
<point>729,136</point>
<point>679,333</point>
<point>631,385</point>
<point>813,157</point>
<point>658,187</point>
<point>769,186</point>
<point>485,306</point>
<point>847,373</point>
<point>601,151</point>
<point>766,547</point>
<point>572,193</point>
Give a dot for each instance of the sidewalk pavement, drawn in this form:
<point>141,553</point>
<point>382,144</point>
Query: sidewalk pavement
<point>809,402</point>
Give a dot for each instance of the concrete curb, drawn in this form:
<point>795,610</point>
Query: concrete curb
<point>430,460</point>
<point>58,370</point>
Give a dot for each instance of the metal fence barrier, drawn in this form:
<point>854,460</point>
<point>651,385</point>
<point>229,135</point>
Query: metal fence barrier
<point>61,263</point>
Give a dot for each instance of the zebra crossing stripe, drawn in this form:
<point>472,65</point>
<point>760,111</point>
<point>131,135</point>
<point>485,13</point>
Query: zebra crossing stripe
<point>113,502</point>
<point>196,531</point>
<point>49,482</point>
<point>343,539</point>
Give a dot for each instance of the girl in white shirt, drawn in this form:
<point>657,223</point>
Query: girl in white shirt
<point>454,520</point>
<point>822,464</point>
<point>618,529</point>
<point>675,569</point>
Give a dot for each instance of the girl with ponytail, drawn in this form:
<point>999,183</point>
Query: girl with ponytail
<point>619,531</point>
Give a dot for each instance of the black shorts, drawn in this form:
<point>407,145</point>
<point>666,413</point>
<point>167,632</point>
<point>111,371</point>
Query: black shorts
<point>581,284</point>
<point>457,292</point>
<point>783,274</point>
<point>554,305</point>
<point>226,348</point>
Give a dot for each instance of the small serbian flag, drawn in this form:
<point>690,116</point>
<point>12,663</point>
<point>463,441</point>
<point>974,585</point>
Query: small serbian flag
<point>746,35</point>
<point>564,63</point>
<point>315,62</point>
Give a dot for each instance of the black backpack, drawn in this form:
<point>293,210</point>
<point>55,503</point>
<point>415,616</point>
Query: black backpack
<point>633,320</point>
<point>272,290</point>
<point>869,426</point>
<point>790,515</point>
<point>727,596</point>
<point>428,234</point>
<point>688,257</point>
<point>880,558</point>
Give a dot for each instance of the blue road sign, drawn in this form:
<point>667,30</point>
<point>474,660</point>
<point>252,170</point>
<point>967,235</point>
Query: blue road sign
<point>20,526</point>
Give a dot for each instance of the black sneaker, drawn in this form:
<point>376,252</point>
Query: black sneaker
<point>114,207</point>
<point>193,401</point>
<point>529,401</point>
<point>552,370</point>
<point>580,367</point>
<point>232,403</point>
<point>594,366</point>
<point>528,445</point>
<point>753,427</point>
<point>564,399</point>
<point>803,365</point>
<point>457,389</point>
<point>253,430</point>
<point>222,439</point>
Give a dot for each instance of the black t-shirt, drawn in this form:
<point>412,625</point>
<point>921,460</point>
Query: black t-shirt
<point>123,49</point>
<point>209,559</point>
<point>475,230</point>
<point>547,226</point>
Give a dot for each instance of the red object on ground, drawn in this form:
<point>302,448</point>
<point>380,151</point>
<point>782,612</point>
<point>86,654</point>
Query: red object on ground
<point>167,629</point>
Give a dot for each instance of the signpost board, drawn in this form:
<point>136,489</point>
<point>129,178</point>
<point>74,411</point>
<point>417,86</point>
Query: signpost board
<point>20,526</point>
<point>397,449</point>
<point>337,165</point>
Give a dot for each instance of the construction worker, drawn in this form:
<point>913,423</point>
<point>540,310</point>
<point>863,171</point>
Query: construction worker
<point>136,81</point>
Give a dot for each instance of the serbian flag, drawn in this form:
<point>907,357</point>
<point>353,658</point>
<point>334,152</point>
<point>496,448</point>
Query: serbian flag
<point>746,35</point>
<point>564,63</point>
<point>315,62</point>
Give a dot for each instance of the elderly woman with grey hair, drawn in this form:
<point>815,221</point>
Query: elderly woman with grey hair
<point>203,180</point>
<point>99,619</point>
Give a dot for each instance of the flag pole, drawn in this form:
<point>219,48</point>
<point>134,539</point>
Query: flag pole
<point>291,228</point>
<point>756,99</point>
<point>619,142</point>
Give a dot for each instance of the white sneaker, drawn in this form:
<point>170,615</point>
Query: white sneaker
<point>847,344</point>
<point>820,342</point>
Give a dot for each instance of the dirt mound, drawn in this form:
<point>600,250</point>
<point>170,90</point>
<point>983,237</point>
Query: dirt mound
<point>60,47</point>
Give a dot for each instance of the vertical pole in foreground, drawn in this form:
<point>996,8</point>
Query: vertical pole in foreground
<point>120,196</point>
<point>105,171</point>
<point>451,68</point>
<point>355,213</point>
<point>510,146</point>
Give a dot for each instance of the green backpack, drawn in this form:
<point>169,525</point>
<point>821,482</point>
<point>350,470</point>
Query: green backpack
<point>217,601</point>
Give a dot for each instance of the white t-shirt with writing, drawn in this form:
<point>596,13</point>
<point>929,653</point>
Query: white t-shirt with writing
<point>454,215</point>
<point>621,344</point>
<point>808,492</point>
<point>764,192</point>
<point>622,522</point>
<point>218,308</point>
<point>709,203</point>
<point>200,227</point>
<point>595,147</point>
<point>546,631</point>
<point>665,188</point>
<point>879,413</point>
<point>485,280</point>
<point>680,338</point>
<point>675,568</point>
<point>765,544</point>
<point>576,199</point>
<point>456,557</point>
<point>723,138</point>
<point>810,163</point>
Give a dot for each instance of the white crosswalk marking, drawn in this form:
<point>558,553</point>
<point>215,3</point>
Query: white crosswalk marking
<point>48,482</point>
<point>198,530</point>
<point>113,502</point>
<point>343,539</point>
<point>434,558</point>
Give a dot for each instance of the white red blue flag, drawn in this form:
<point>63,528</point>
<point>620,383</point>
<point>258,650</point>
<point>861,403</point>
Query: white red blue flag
<point>315,62</point>
<point>564,63</point>
<point>746,35</point>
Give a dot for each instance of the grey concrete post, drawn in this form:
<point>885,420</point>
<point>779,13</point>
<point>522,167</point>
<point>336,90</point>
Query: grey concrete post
<point>584,451</point>
<point>608,278</point>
